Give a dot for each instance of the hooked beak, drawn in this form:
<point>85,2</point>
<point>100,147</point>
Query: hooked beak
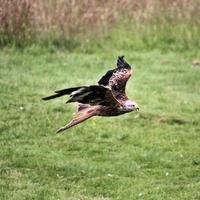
<point>136,108</point>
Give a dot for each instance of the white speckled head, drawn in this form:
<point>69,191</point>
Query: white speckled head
<point>131,105</point>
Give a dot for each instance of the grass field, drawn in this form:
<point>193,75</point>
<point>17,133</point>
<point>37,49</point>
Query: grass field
<point>153,154</point>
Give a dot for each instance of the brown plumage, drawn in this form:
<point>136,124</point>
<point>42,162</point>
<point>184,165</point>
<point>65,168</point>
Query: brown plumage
<point>108,98</point>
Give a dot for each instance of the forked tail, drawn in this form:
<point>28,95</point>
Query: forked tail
<point>81,116</point>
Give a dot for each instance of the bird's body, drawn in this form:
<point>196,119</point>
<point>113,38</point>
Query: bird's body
<point>108,98</point>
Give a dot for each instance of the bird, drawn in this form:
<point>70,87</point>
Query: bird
<point>107,98</point>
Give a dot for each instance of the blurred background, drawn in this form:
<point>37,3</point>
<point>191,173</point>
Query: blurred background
<point>166,24</point>
<point>47,45</point>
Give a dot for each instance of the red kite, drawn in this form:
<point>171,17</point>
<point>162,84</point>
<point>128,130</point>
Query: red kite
<point>108,98</point>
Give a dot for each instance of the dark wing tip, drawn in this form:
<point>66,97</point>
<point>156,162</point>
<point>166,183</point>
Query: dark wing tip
<point>121,58</point>
<point>122,63</point>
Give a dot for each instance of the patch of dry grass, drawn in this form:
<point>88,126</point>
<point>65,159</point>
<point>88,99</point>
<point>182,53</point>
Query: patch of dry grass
<point>30,20</point>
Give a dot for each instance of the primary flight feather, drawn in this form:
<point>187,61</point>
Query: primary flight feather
<point>108,98</point>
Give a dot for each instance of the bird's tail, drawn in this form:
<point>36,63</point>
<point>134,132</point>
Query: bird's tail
<point>63,92</point>
<point>81,115</point>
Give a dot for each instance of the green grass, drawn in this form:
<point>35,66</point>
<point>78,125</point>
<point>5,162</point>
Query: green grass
<point>153,154</point>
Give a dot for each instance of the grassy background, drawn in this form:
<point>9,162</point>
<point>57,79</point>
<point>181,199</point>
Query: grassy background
<point>73,24</point>
<point>153,154</point>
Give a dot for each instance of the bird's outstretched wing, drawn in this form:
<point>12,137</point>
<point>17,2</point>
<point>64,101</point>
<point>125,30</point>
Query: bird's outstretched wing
<point>92,95</point>
<point>117,78</point>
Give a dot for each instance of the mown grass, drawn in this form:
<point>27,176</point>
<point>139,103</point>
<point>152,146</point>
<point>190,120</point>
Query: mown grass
<point>153,154</point>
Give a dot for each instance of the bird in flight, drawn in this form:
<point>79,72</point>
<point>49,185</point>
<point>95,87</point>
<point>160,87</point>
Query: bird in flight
<point>107,98</point>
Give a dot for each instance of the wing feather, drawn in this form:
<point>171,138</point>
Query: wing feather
<point>117,78</point>
<point>95,95</point>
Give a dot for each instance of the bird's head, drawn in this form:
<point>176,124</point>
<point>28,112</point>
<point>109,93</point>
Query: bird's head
<point>131,106</point>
